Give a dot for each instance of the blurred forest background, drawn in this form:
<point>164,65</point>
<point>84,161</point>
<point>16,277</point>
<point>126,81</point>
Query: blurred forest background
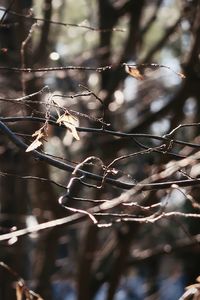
<point>107,194</point>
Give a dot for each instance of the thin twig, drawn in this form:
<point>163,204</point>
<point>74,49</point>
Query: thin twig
<point>28,177</point>
<point>52,69</point>
<point>21,283</point>
<point>79,216</point>
<point>22,52</point>
<point>30,17</point>
<point>101,131</point>
<point>144,186</point>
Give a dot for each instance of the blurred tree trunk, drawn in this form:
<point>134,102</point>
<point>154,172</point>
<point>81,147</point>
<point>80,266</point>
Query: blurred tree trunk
<point>14,194</point>
<point>19,197</point>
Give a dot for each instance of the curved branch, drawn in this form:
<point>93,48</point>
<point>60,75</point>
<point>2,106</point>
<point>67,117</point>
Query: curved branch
<point>167,138</point>
<point>63,166</point>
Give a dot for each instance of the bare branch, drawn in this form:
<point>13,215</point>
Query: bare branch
<point>21,283</point>
<point>100,131</point>
<point>30,17</point>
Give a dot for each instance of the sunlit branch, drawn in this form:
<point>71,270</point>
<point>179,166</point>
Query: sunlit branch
<point>168,135</point>
<point>153,219</point>
<point>79,216</point>
<point>139,66</point>
<point>81,211</point>
<point>52,69</point>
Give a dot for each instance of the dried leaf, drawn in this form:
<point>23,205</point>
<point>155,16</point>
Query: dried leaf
<point>72,130</point>
<point>19,291</point>
<point>134,72</point>
<point>68,118</point>
<point>181,75</point>
<point>34,145</point>
<point>71,123</point>
<point>39,134</point>
<point>28,295</point>
<point>137,71</point>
